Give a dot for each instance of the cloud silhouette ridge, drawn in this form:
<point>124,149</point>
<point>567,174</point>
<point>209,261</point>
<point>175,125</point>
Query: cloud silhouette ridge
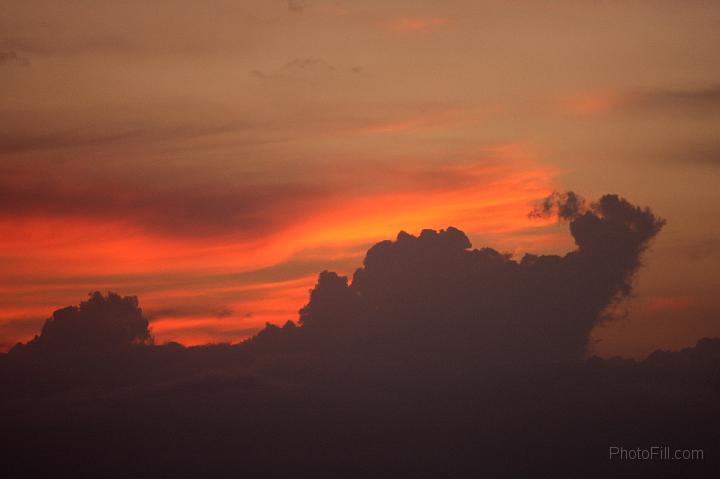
<point>433,293</point>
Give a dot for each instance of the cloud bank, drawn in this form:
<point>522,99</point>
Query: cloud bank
<point>433,293</point>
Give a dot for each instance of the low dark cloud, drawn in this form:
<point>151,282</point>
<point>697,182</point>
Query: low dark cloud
<point>100,324</point>
<point>195,211</point>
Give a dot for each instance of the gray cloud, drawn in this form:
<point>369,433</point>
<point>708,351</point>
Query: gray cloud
<point>23,130</point>
<point>193,211</point>
<point>699,99</point>
<point>690,153</point>
<point>699,154</point>
<point>18,142</point>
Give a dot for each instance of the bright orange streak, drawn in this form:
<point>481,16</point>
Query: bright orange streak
<point>498,201</point>
<point>592,103</point>
<point>429,120</point>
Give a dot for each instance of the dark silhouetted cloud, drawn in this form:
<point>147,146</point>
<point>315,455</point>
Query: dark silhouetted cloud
<point>432,289</point>
<point>102,323</point>
<point>566,206</point>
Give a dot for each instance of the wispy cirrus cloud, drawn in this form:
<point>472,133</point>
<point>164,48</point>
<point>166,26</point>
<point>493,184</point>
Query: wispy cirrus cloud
<point>600,102</point>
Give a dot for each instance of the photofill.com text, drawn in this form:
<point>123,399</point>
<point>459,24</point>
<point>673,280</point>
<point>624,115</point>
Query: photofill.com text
<point>655,453</point>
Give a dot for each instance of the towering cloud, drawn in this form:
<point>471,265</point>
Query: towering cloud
<point>433,293</point>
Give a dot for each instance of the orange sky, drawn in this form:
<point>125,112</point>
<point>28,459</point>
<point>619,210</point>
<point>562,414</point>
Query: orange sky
<point>213,158</point>
<point>222,288</point>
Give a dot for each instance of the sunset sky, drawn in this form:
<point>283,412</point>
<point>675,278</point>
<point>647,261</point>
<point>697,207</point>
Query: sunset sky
<point>213,157</point>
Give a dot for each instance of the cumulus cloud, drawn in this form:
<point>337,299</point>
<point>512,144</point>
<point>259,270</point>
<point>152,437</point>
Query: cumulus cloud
<point>102,323</point>
<point>432,289</point>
